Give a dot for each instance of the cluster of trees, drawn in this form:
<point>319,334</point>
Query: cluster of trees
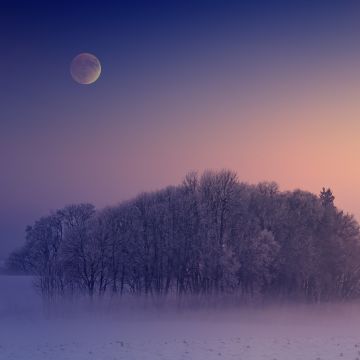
<point>210,235</point>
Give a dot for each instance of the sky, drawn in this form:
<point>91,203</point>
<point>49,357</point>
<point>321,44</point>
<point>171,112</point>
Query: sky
<point>269,89</point>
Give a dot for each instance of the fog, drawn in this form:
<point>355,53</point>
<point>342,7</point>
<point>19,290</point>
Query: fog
<point>144,330</point>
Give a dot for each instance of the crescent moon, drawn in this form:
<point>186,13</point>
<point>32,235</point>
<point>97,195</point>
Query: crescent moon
<point>85,68</point>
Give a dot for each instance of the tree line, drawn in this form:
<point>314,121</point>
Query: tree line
<point>210,235</point>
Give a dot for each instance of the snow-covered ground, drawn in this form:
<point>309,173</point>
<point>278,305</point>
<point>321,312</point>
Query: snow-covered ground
<point>287,333</point>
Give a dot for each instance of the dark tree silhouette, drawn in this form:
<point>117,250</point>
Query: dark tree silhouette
<point>211,235</point>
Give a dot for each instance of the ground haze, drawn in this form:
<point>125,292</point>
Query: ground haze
<point>31,331</point>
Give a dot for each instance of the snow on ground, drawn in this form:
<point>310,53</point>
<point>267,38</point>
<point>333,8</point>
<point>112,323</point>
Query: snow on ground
<point>286,333</point>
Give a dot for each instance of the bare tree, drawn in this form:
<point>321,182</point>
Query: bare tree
<point>209,235</point>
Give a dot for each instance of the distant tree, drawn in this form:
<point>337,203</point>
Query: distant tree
<point>211,235</point>
<point>80,252</point>
<point>41,254</point>
<point>326,197</point>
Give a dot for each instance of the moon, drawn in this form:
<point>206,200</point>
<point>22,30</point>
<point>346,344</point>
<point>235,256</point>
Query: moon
<point>85,68</point>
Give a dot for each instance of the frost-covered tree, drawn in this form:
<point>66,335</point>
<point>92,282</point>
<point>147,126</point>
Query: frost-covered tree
<point>210,235</point>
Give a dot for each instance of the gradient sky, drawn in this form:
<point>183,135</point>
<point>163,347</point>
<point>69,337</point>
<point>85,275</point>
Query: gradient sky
<point>270,89</point>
